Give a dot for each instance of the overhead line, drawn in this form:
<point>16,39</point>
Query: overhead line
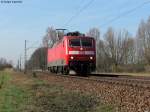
<point>124,13</point>
<point>78,12</point>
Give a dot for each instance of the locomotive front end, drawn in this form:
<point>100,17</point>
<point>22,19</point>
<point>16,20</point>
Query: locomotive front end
<point>82,54</point>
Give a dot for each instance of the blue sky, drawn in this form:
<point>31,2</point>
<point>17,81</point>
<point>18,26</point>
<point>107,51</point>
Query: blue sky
<point>30,19</point>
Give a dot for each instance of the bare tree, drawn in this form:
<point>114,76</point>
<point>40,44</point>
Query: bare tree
<point>4,64</point>
<point>110,45</point>
<point>118,48</point>
<point>103,61</point>
<point>143,38</point>
<point>94,32</point>
<point>50,38</point>
<point>129,51</point>
<point>3,61</point>
<point>127,46</point>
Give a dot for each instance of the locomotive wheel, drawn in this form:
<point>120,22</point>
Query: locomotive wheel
<point>56,69</point>
<point>51,70</point>
<point>62,70</point>
<point>65,70</point>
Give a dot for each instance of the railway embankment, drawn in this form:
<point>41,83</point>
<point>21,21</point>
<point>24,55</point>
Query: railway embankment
<point>124,97</point>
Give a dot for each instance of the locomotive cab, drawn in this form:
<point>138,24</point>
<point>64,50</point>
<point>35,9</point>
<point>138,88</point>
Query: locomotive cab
<point>81,54</point>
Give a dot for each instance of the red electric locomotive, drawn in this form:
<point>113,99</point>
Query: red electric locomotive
<point>75,52</point>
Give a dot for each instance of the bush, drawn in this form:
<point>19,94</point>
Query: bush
<point>2,67</point>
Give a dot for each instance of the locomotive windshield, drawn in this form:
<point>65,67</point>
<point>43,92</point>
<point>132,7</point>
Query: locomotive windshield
<point>86,42</point>
<point>74,42</point>
<point>80,42</point>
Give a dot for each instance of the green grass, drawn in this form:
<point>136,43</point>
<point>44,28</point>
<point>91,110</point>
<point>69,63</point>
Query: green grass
<point>11,96</point>
<point>4,78</point>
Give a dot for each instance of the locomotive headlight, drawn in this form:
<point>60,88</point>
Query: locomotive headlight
<point>91,58</point>
<point>72,57</point>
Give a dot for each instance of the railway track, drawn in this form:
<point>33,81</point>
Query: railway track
<point>142,82</point>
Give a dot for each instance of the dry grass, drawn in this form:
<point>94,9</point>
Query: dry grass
<point>24,93</point>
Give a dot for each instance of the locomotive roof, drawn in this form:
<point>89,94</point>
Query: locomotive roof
<point>79,37</point>
<point>72,37</point>
<point>75,34</point>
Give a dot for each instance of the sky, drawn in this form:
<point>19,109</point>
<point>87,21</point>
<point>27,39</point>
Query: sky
<point>30,19</point>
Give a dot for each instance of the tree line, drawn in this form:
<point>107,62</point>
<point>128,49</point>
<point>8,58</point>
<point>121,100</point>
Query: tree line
<point>5,64</point>
<point>117,51</point>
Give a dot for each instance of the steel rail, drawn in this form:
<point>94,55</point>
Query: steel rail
<point>125,81</point>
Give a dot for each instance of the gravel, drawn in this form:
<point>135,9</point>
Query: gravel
<point>124,98</point>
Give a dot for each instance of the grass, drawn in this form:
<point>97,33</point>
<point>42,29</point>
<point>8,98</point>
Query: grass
<point>43,97</point>
<point>104,108</point>
<point>135,74</point>
<point>130,74</point>
<point>11,96</point>
<point>139,74</point>
<point>4,78</point>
